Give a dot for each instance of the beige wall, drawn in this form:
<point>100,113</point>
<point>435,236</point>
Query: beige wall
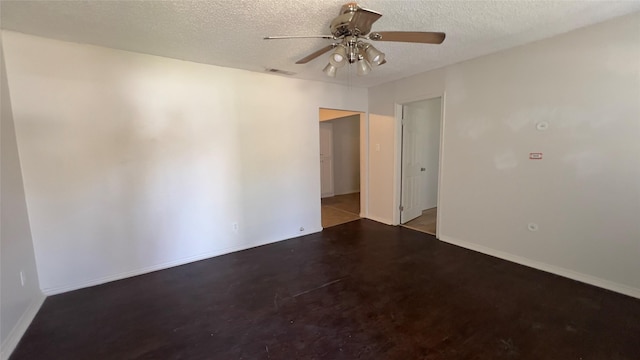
<point>584,195</point>
<point>381,168</point>
<point>331,114</point>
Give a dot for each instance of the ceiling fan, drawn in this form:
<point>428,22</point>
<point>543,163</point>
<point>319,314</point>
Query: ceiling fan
<point>349,29</point>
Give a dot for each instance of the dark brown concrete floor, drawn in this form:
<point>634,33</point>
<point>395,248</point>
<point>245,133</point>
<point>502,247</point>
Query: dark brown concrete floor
<point>360,290</point>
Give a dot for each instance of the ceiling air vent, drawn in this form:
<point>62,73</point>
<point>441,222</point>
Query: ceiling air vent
<point>278,71</point>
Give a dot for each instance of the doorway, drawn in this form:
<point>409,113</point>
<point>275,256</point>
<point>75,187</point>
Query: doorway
<point>340,166</point>
<point>326,160</point>
<point>420,164</point>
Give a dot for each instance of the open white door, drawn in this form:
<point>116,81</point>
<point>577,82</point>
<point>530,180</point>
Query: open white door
<point>326,159</point>
<point>413,159</point>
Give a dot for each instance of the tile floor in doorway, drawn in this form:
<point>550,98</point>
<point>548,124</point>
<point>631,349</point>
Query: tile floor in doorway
<point>340,209</point>
<point>425,222</point>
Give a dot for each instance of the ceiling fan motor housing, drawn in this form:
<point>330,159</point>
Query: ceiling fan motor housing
<point>353,20</point>
<point>340,25</point>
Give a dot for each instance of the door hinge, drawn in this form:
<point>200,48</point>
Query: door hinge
<point>401,208</point>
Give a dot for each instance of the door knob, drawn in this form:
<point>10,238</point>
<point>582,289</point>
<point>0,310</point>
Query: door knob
<point>423,169</point>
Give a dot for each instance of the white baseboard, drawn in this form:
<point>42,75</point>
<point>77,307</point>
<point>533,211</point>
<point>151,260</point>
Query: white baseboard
<point>587,279</point>
<point>380,220</point>
<point>346,192</point>
<point>11,341</point>
<point>166,265</point>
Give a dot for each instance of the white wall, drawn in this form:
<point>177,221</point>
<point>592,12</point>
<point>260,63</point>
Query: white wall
<point>584,194</point>
<point>18,303</point>
<point>134,162</point>
<point>346,154</point>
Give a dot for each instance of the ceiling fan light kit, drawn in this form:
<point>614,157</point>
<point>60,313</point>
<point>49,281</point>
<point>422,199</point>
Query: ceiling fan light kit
<point>330,70</point>
<point>339,56</point>
<point>374,56</point>
<point>351,27</point>
<point>363,67</point>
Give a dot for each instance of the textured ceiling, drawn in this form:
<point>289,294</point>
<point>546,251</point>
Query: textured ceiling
<point>229,32</point>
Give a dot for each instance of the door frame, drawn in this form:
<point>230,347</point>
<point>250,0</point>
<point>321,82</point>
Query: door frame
<point>364,159</point>
<point>397,179</point>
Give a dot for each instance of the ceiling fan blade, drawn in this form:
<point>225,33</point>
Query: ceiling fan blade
<point>314,55</point>
<point>423,37</point>
<point>362,20</point>
<point>299,37</point>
